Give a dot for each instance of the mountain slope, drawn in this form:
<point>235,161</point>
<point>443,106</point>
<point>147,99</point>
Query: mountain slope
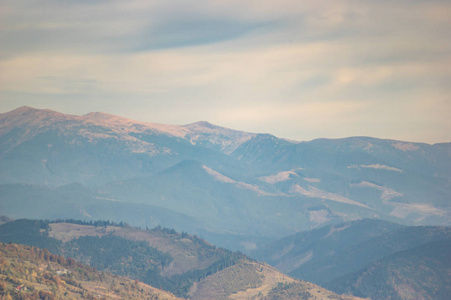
<point>95,148</point>
<point>216,137</point>
<point>33,273</point>
<point>237,188</point>
<point>165,258</point>
<point>251,280</point>
<point>183,264</point>
<point>419,273</point>
<point>79,202</point>
<point>324,254</point>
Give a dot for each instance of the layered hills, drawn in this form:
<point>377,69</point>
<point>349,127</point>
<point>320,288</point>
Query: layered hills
<point>418,273</point>
<point>368,258</point>
<point>176,262</point>
<point>359,215</point>
<point>234,188</point>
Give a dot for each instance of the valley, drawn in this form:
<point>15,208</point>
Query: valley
<point>201,211</point>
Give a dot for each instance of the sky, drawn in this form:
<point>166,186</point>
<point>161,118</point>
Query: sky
<point>296,69</point>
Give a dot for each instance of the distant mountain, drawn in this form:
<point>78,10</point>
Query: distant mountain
<point>75,201</point>
<point>324,254</point>
<point>319,254</point>
<point>367,258</point>
<point>238,189</point>
<point>33,273</point>
<point>419,273</point>
<point>47,147</point>
<point>179,263</point>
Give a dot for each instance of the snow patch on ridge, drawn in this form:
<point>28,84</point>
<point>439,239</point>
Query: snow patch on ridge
<point>222,178</point>
<point>405,146</point>
<point>313,192</point>
<point>402,210</point>
<point>387,193</point>
<point>218,176</point>
<point>334,229</point>
<point>319,216</point>
<point>376,166</point>
<point>228,140</point>
<point>279,177</point>
<point>313,180</point>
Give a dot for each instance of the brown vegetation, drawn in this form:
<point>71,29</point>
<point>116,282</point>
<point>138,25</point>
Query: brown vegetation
<point>32,273</point>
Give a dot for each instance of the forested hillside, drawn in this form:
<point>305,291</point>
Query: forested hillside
<point>368,258</point>
<point>163,257</point>
<point>32,273</point>
<point>176,262</point>
<point>419,273</point>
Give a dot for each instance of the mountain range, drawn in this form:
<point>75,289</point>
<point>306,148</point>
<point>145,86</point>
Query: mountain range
<point>418,273</point>
<point>366,258</point>
<point>236,189</point>
<point>331,254</point>
<point>159,261</point>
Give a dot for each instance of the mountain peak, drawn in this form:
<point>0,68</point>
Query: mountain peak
<point>23,109</point>
<point>225,139</point>
<point>28,109</point>
<point>204,127</point>
<point>31,116</point>
<point>202,124</point>
<point>106,119</point>
<point>98,114</point>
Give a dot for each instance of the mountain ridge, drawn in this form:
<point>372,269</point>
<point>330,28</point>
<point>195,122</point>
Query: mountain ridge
<point>179,263</point>
<point>330,252</point>
<point>419,272</point>
<point>260,186</point>
<point>200,125</point>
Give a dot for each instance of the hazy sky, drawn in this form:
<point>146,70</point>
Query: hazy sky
<point>296,69</point>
